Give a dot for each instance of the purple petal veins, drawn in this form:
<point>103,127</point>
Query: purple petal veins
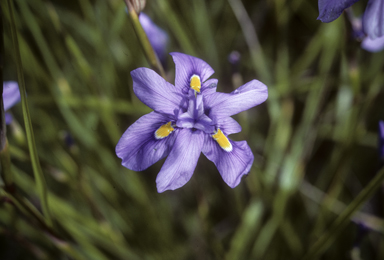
<point>186,67</point>
<point>188,119</point>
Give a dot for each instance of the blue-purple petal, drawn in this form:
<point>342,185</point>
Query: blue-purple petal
<point>186,66</point>
<point>228,125</point>
<point>373,19</point>
<point>179,166</point>
<point>11,94</point>
<point>381,140</point>
<point>157,93</point>
<point>138,147</point>
<point>231,165</point>
<point>209,87</point>
<point>156,36</point>
<point>375,45</point>
<point>330,10</point>
<point>8,118</point>
<point>221,105</point>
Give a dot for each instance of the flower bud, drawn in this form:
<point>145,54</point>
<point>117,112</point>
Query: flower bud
<point>137,5</point>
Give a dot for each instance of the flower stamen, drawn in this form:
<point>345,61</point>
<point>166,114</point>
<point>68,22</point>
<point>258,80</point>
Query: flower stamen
<point>164,131</point>
<point>222,140</point>
<point>195,83</point>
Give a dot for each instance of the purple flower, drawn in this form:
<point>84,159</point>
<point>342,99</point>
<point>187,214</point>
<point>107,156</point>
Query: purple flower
<point>189,117</point>
<point>11,96</point>
<point>156,36</point>
<point>375,45</point>
<point>381,140</point>
<point>330,10</point>
<point>368,44</point>
<point>373,18</point>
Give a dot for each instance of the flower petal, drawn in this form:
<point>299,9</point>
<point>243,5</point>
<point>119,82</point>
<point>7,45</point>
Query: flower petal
<point>181,162</point>
<point>156,93</point>
<point>186,67</point>
<point>329,10</point>
<point>8,118</point>
<point>209,86</point>
<point>228,125</point>
<point>373,19</point>
<point>231,165</point>
<point>249,95</point>
<point>11,94</point>
<point>138,147</point>
<point>381,140</point>
<point>375,45</point>
<point>156,36</point>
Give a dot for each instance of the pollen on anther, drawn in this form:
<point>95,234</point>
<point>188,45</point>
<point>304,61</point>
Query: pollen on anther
<point>195,83</point>
<point>164,131</point>
<point>222,140</point>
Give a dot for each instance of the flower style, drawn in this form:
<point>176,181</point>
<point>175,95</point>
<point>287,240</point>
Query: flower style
<point>373,18</point>
<point>156,36</point>
<point>11,96</point>
<point>189,117</point>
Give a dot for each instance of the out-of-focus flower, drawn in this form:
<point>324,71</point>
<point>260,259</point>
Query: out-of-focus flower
<point>11,95</point>
<point>375,45</point>
<point>368,44</point>
<point>330,10</point>
<point>381,140</point>
<point>156,36</point>
<point>189,117</point>
<point>234,57</point>
<point>373,18</point>
<point>137,5</point>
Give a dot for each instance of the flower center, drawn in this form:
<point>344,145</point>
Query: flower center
<point>195,83</point>
<point>222,140</point>
<point>164,131</point>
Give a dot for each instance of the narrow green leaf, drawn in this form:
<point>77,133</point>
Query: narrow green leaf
<point>343,219</point>
<point>39,176</point>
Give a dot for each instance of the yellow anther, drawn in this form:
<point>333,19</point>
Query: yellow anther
<point>195,83</point>
<point>164,131</point>
<point>222,140</point>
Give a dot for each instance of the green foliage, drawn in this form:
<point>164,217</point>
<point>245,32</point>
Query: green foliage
<point>316,169</point>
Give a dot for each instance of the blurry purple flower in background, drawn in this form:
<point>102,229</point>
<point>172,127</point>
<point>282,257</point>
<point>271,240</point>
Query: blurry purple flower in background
<point>381,140</point>
<point>189,117</point>
<point>368,44</point>
<point>373,18</point>
<point>11,95</point>
<point>330,10</point>
<point>375,45</point>
<point>156,36</point>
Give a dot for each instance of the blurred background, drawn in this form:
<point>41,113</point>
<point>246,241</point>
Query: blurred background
<point>314,139</point>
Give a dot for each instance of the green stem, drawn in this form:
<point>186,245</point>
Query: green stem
<point>145,44</point>
<point>343,219</point>
<point>39,176</point>
<point>5,168</point>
